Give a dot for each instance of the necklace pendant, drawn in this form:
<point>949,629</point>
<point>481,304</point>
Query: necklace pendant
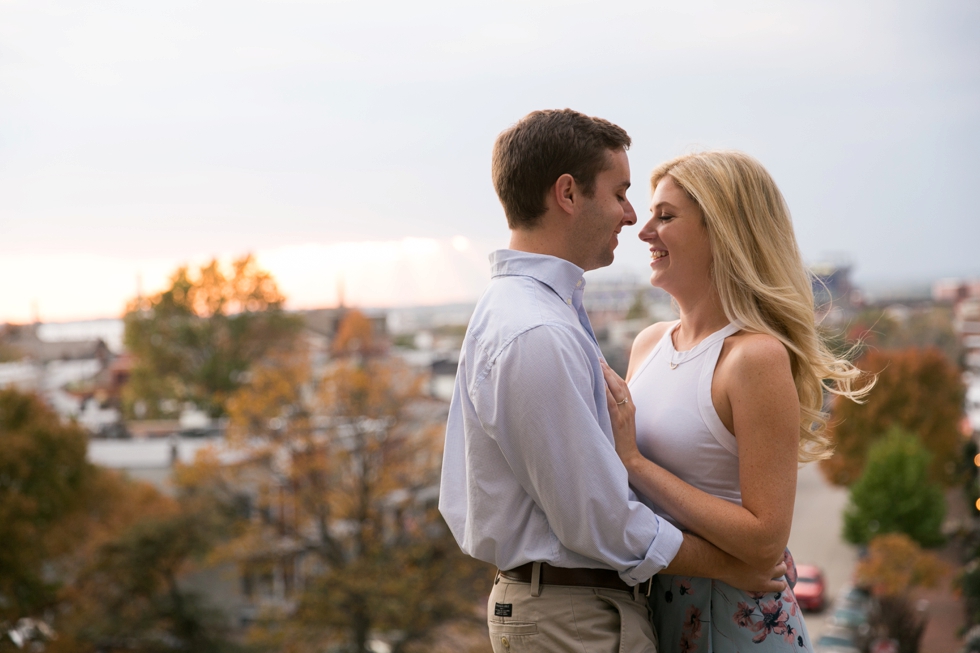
<point>673,365</point>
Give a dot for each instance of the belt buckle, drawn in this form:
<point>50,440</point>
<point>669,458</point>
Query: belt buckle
<point>638,589</point>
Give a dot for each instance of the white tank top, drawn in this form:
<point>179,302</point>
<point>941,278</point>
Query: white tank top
<point>677,426</point>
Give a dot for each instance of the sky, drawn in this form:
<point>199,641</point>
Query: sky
<point>347,144</point>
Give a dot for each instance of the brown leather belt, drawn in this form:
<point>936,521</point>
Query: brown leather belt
<point>605,578</point>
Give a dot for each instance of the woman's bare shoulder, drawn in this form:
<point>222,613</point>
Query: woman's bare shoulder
<point>753,353</point>
<point>644,343</point>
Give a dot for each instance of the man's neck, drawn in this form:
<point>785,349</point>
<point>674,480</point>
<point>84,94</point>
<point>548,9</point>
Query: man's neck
<point>540,241</point>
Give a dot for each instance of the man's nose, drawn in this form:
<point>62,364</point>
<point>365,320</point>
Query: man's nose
<point>629,216</point>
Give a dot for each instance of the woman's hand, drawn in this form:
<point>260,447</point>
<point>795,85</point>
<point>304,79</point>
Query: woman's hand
<point>622,415</point>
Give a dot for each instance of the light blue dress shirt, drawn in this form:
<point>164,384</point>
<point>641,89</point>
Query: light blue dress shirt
<point>530,471</point>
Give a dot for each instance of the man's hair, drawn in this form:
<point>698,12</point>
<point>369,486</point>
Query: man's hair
<point>529,158</point>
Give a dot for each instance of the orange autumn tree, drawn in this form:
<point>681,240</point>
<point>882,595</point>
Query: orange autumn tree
<point>195,341</point>
<point>341,473</point>
<point>919,391</point>
<point>893,568</point>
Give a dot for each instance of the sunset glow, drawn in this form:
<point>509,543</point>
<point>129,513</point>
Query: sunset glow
<point>402,272</point>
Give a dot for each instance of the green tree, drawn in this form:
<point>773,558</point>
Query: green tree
<point>346,478</point>
<point>93,554</point>
<point>919,391</point>
<point>43,478</point>
<point>895,495</point>
<point>195,341</point>
<point>969,584</point>
<point>129,596</point>
<point>638,309</point>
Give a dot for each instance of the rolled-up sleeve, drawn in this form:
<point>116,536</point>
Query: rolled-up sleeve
<point>537,400</point>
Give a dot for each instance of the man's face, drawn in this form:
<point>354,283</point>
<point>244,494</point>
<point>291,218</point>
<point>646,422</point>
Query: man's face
<point>604,214</point>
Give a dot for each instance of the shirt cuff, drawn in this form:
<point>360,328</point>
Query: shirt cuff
<point>663,549</point>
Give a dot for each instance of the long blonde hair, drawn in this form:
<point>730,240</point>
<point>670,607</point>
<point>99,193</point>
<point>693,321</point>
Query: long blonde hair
<point>760,277</point>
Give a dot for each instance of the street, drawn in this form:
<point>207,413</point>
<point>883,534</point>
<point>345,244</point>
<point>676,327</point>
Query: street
<point>816,536</point>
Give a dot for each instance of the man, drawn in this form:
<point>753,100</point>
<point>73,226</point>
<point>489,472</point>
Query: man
<point>531,481</point>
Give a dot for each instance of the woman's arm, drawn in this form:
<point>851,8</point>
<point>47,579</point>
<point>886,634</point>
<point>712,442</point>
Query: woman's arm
<point>757,380</point>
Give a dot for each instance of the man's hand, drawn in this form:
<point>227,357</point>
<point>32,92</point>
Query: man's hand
<point>698,557</point>
<point>740,575</point>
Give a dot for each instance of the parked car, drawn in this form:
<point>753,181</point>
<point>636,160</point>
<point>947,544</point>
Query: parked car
<point>810,587</point>
<point>853,618</point>
<point>854,597</point>
<point>837,640</point>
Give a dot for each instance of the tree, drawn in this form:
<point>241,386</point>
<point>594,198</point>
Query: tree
<point>43,475</point>
<point>129,596</point>
<point>343,485</point>
<point>894,494</point>
<point>893,567</point>
<point>195,341</point>
<point>638,309</point>
<point>907,328</point>
<point>919,391</point>
<point>969,584</point>
<point>93,553</point>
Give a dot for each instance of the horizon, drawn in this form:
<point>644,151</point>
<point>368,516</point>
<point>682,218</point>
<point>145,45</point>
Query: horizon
<point>885,290</point>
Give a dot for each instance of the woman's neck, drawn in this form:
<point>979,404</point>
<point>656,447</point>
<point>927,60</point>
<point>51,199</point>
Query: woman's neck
<point>700,317</point>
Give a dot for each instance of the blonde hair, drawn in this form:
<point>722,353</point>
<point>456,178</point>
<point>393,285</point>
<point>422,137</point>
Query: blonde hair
<point>760,277</point>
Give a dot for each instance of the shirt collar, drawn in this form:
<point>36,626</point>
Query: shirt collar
<point>558,274</point>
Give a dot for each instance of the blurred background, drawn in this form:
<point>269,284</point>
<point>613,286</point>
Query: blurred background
<point>242,241</point>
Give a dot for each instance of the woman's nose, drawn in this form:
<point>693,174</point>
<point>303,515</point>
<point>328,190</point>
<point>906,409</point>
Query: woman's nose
<point>649,230</point>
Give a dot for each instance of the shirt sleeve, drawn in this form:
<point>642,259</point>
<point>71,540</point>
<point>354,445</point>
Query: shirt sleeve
<point>538,402</point>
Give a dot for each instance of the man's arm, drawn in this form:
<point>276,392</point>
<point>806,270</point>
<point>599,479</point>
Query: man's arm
<point>698,557</point>
<point>538,403</point>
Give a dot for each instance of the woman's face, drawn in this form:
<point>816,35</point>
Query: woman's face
<point>680,253</point>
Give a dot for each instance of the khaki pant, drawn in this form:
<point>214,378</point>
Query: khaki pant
<point>579,619</point>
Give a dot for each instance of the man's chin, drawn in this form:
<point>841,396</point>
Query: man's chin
<point>602,263</point>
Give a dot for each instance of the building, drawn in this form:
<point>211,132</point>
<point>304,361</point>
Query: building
<point>834,295</point>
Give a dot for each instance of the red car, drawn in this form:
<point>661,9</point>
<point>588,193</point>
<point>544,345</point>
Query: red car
<point>810,587</point>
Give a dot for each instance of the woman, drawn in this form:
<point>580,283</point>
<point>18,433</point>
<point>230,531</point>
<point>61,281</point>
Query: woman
<point>728,398</point>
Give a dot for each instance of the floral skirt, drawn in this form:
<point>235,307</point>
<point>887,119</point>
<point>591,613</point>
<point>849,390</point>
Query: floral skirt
<point>701,615</point>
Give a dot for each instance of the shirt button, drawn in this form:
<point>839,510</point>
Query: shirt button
<point>568,301</point>
<point>578,284</point>
<point>505,642</point>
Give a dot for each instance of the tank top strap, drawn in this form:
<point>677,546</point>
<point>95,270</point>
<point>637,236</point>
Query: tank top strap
<point>730,330</point>
<point>706,405</point>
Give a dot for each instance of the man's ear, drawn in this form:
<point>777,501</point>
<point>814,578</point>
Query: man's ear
<point>565,193</point>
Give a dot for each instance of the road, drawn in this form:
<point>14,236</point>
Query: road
<point>815,539</point>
